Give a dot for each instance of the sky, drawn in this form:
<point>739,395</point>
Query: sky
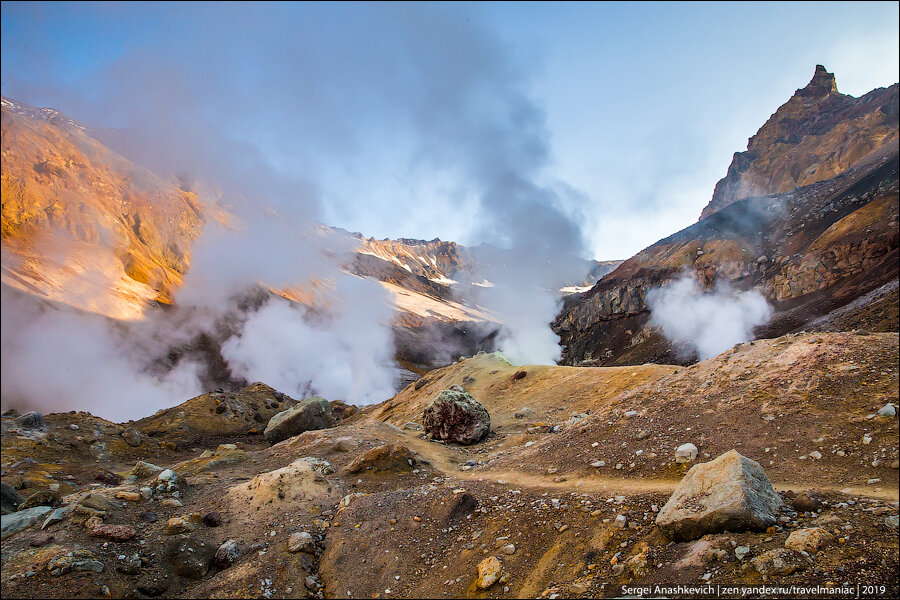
<point>416,120</point>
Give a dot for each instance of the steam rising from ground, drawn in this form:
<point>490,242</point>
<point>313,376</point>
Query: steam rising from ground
<point>427,95</point>
<point>706,322</point>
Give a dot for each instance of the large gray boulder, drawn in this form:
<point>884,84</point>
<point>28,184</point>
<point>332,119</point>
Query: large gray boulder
<point>730,493</point>
<point>308,415</point>
<point>13,523</point>
<point>455,416</point>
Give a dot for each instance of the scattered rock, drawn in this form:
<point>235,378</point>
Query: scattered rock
<point>888,410</point>
<point>169,481</point>
<point>301,541</point>
<point>227,554</point>
<point>144,470</point>
<point>730,493</point>
<point>387,458</point>
<point>809,539</point>
<point>212,519</point>
<point>455,416</point>
<point>308,415</point>
<point>806,502</point>
<point>149,517</point>
<point>509,549</point>
<point>116,533</point>
<point>190,557</point>
<point>780,561</point>
<point>892,522</point>
<point>686,453</point>
<point>182,524</point>
<point>489,571</point>
<point>519,375</point>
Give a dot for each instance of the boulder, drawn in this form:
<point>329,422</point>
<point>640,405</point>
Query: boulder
<point>309,415</point>
<point>116,533</point>
<point>190,557</point>
<point>40,498</point>
<point>11,499</point>
<point>13,523</point>
<point>455,416</point>
<point>730,493</point>
<point>227,554</point>
<point>30,420</point>
<point>301,541</point>
<point>132,437</point>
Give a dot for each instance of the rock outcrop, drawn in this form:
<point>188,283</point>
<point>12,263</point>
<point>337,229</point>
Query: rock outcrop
<point>455,416</point>
<point>817,134</point>
<point>730,493</point>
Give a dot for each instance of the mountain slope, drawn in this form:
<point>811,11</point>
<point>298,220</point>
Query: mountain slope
<point>82,225</point>
<point>810,251</point>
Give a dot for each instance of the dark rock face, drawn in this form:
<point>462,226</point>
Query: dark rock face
<point>456,417</point>
<point>309,415</point>
<point>190,557</point>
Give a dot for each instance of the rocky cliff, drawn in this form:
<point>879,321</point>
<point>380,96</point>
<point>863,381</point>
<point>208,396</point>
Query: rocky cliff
<point>814,136</point>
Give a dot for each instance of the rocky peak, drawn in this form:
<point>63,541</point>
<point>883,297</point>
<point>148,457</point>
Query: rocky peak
<point>821,84</point>
<point>817,134</point>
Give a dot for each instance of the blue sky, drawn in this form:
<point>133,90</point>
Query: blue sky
<point>401,120</point>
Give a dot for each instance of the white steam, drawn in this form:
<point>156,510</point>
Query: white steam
<point>706,322</point>
<point>55,361</point>
<point>347,356</point>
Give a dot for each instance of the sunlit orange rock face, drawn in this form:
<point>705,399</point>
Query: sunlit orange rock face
<point>814,136</point>
<point>83,225</point>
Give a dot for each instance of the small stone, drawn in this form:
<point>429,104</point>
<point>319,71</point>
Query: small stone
<point>888,410</point>
<point>741,551</point>
<point>489,571</point>
<point>212,519</point>
<point>227,554</point>
<point>509,549</point>
<point>301,541</point>
<point>620,522</point>
<point>809,539</point>
<point>116,533</point>
<point>685,453</point>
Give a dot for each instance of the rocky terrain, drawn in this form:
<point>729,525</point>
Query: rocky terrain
<point>578,488</point>
<point>824,254</point>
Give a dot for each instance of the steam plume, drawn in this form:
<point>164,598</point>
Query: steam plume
<point>706,322</point>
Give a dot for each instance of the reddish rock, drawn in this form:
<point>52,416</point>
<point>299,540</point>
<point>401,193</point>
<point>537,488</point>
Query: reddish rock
<point>116,533</point>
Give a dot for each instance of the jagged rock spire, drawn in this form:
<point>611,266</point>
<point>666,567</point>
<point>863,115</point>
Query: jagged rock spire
<point>821,84</point>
